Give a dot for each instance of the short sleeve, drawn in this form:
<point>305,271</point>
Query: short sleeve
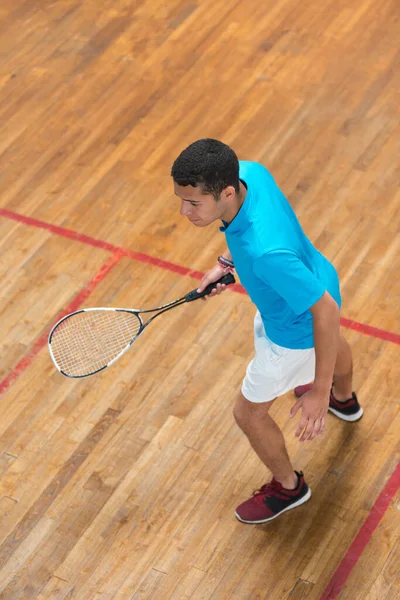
<point>284,272</point>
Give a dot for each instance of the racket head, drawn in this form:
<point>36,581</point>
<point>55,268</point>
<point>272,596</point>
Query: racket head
<point>90,340</point>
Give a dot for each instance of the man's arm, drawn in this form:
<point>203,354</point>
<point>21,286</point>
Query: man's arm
<point>315,403</point>
<point>326,321</point>
<point>227,254</point>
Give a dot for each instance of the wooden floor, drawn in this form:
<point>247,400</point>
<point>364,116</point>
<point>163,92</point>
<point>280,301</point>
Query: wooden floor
<point>124,486</point>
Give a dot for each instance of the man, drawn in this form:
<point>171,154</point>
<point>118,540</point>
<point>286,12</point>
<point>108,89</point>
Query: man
<point>296,327</point>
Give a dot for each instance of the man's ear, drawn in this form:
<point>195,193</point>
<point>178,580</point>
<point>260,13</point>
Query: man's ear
<point>229,192</point>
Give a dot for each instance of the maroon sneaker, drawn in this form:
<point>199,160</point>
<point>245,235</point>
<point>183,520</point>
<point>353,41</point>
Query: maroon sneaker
<point>349,410</point>
<point>271,500</point>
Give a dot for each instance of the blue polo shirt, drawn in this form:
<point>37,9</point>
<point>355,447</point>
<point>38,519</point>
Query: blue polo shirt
<point>283,273</point>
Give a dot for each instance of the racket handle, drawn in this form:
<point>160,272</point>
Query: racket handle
<point>195,295</point>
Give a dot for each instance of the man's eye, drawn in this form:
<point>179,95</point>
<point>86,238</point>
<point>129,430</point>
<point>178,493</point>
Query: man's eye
<point>193,204</point>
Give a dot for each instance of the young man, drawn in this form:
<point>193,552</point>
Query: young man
<point>296,327</point>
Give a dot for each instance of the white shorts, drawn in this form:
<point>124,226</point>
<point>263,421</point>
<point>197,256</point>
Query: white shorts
<point>275,370</point>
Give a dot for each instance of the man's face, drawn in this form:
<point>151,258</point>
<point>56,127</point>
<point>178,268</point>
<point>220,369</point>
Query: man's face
<point>200,209</point>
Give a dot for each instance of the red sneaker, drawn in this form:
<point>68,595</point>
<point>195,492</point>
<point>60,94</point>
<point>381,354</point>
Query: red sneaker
<point>349,410</point>
<point>271,500</point>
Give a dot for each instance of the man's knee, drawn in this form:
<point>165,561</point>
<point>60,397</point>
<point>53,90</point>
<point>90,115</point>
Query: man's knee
<point>248,413</point>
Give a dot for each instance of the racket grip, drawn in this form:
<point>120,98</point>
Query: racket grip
<point>227,279</point>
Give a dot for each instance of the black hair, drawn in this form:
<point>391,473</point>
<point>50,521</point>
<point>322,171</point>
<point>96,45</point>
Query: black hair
<point>209,163</point>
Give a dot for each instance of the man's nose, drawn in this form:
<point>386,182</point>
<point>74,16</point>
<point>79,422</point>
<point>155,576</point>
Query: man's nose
<point>185,209</point>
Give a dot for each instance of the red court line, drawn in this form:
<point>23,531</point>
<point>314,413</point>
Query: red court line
<point>91,241</point>
<point>388,336</point>
<point>164,264</point>
<point>72,306</point>
<point>62,231</point>
<point>353,554</point>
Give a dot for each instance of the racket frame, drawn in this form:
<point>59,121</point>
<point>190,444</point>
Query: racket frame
<point>227,279</point>
<point>134,311</point>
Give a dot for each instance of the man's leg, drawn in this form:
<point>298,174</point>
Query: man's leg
<point>343,373</point>
<point>287,489</point>
<point>265,438</point>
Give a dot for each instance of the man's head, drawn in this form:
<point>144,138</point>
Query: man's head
<point>206,178</point>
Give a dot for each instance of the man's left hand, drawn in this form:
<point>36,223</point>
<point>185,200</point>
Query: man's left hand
<point>314,409</point>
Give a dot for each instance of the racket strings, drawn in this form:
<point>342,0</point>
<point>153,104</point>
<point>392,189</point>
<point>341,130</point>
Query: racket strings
<point>88,341</point>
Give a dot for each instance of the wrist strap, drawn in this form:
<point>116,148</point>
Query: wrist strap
<point>226,264</point>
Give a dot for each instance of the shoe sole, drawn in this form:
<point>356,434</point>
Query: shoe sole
<point>302,500</point>
<point>349,418</point>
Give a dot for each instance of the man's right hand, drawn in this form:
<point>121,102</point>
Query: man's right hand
<point>210,277</point>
